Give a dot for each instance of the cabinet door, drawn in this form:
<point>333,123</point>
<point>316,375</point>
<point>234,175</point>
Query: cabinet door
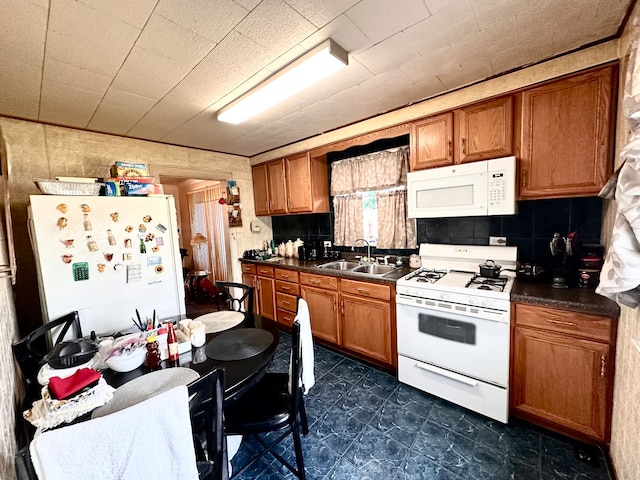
<point>484,130</point>
<point>562,380</point>
<point>260,189</point>
<point>298,170</point>
<point>432,144</point>
<point>366,327</point>
<point>277,187</point>
<point>566,139</point>
<point>323,311</point>
<point>267,298</point>
<point>249,279</point>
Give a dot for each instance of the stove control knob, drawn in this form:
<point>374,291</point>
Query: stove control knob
<point>471,301</point>
<point>444,296</point>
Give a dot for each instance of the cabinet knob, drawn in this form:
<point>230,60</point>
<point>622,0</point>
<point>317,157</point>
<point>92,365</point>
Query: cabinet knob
<point>334,305</point>
<point>463,145</point>
<point>560,322</point>
<point>342,304</point>
<point>603,362</point>
<point>364,290</point>
<point>449,145</point>
<point>524,178</point>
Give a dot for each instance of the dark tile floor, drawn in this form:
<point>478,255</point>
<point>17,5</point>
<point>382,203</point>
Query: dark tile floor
<point>364,424</point>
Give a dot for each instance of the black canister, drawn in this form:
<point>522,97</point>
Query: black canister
<point>303,253</point>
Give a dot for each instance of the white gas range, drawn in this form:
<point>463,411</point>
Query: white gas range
<point>453,326</point>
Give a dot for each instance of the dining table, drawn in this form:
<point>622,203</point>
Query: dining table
<point>244,351</point>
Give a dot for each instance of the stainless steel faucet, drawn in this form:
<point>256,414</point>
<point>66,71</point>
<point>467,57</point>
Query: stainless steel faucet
<point>368,247</point>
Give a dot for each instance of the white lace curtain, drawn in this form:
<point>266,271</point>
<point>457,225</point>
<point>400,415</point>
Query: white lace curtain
<point>620,277</point>
<point>209,217</point>
<point>384,172</point>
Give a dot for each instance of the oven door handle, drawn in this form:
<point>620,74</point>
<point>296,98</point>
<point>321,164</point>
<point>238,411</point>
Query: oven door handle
<point>446,373</point>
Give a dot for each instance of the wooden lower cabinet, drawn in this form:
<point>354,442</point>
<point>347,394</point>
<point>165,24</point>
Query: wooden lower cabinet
<point>562,370</point>
<point>366,327</point>
<point>323,310</point>
<point>266,297</point>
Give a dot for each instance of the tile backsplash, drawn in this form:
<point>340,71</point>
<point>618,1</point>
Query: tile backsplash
<point>530,229</point>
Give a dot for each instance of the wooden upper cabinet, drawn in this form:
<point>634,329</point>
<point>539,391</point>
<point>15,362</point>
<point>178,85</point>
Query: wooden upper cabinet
<point>260,189</point>
<point>432,142</point>
<point>566,137</point>
<point>484,130</point>
<point>277,187</point>
<point>296,184</point>
<point>480,131</point>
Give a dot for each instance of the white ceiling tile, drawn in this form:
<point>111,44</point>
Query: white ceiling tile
<point>148,74</point>
<point>20,89</point>
<point>202,86</point>
<point>118,104</point>
<point>437,62</point>
<point>24,28</point>
<point>92,40</point>
<point>55,71</point>
<point>134,13</point>
<point>164,117</point>
<point>272,16</point>
<point>321,12</point>
<point>387,54</point>
<point>67,105</point>
<point>179,44</point>
<point>453,21</point>
<point>379,20</point>
<point>343,31</point>
<point>248,4</point>
<point>212,20</point>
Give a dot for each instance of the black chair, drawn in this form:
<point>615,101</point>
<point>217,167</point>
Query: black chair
<point>30,351</point>
<point>206,396</point>
<point>270,407</point>
<point>245,299</point>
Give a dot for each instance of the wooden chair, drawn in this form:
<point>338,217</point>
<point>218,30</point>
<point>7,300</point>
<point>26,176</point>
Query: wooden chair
<point>239,303</point>
<point>271,407</point>
<point>206,396</point>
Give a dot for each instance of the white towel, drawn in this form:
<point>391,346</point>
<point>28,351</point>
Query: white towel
<point>306,342</point>
<point>151,439</point>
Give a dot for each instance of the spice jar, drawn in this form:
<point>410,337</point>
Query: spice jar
<point>153,352</point>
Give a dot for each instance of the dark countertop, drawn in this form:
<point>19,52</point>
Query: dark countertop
<point>536,293</point>
<point>311,266</point>
<point>584,300</point>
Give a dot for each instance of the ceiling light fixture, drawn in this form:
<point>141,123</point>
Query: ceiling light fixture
<point>313,66</point>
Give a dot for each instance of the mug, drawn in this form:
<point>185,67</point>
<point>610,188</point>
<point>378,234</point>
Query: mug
<point>414,261</point>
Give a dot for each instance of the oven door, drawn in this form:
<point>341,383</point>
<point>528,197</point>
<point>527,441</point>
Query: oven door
<point>475,347</point>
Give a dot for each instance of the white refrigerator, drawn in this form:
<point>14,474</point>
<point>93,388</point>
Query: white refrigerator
<point>106,257</point>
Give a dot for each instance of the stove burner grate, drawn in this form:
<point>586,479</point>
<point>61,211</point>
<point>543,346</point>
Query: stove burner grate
<point>427,275</point>
<point>484,283</point>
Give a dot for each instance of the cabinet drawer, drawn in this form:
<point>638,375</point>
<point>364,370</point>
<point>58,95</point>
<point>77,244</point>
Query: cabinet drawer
<point>265,271</point>
<point>286,275</point>
<point>286,302</point>
<point>248,268</point>
<point>287,287</point>
<point>286,317</point>
<point>564,321</point>
<point>373,290</point>
<point>321,281</point>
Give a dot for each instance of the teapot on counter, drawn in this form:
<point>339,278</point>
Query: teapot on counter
<point>281,250</point>
<point>296,245</point>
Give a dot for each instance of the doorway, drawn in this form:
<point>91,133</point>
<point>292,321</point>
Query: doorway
<point>204,236</point>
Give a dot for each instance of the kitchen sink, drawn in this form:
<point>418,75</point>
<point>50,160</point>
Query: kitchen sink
<point>374,269</point>
<point>339,265</point>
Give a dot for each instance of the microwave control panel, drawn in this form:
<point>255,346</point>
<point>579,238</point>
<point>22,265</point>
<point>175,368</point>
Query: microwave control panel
<point>497,189</point>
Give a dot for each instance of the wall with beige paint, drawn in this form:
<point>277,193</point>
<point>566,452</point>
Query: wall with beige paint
<point>625,427</point>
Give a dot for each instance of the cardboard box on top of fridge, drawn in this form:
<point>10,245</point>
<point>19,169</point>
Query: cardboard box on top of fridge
<point>129,169</point>
<point>116,187</point>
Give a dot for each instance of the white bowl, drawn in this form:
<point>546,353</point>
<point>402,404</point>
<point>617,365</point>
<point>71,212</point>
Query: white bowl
<point>127,362</point>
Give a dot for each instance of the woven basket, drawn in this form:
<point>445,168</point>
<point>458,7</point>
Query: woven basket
<point>54,187</point>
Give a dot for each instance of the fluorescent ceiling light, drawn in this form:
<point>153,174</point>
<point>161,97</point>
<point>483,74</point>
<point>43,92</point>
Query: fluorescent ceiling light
<point>313,66</point>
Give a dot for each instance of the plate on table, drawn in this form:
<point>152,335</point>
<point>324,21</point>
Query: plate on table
<point>220,321</point>
<point>145,387</point>
<point>239,344</point>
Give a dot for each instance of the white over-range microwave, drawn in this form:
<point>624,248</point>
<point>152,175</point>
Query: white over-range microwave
<point>475,189</point>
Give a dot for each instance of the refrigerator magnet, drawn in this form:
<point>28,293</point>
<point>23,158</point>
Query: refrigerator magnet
<point>154,261</point>
<point>155,248</point>
<point>85,208</point>
<point>159,241</point>
<point>134,272</point>
<point>68,243</point>
<point>67,258</point>
<point>114,216</point>
<point>126,257</point>
<point>159,269</point>
<point>161,228</point>
<point>101,267</point>
<point>62,223</point>
<point>149,237</point>
<point>117,267</point>
<point>128,228</point>
<point>127,243</point>
<point>62,207</point>
<point>146,218</point>
<point>108,256</point>
<point>142,228</point>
